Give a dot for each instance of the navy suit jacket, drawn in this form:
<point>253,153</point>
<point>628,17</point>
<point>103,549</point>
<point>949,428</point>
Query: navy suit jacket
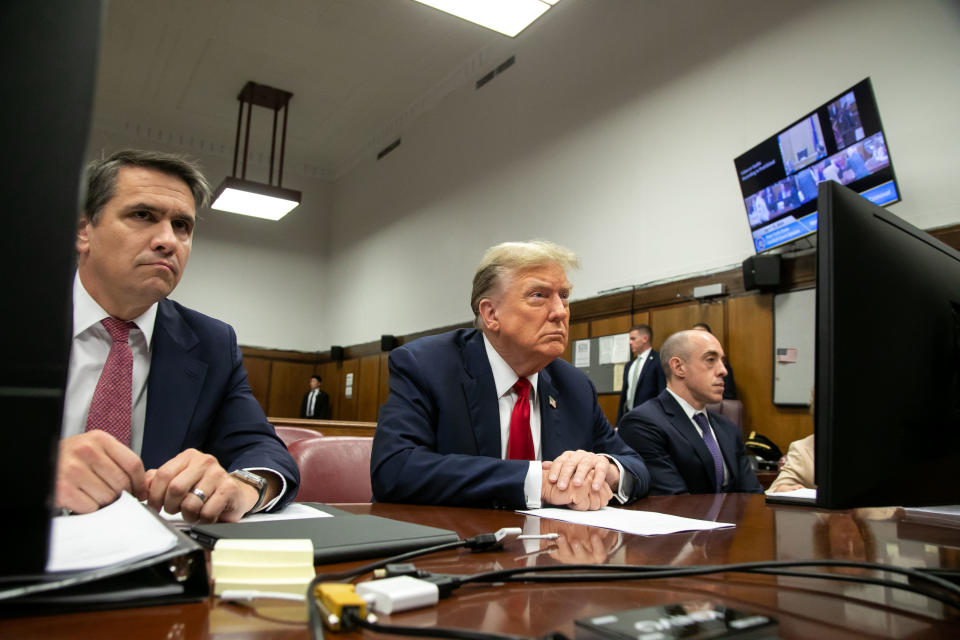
<point>651,382</point>
<point>438,435</point>
<point>198,397</point>
<point>676,455</point>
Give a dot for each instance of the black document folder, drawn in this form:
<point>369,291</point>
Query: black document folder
<point>177,575</point>
<point>338,539</point>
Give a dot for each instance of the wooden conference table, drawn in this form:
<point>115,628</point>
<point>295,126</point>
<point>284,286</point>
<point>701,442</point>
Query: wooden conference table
<point>805,608</point>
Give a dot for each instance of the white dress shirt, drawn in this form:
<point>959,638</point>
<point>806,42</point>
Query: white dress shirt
<point>88,354</point>
<point>689,410</point>
<point>504,377</point>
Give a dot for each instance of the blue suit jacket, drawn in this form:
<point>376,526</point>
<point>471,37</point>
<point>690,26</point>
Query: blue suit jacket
<point>438,437</point>
<point>651,382</point>
<point>198,397</point>
<point>676,455</point>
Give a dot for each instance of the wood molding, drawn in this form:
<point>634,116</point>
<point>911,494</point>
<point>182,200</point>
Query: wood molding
<point>799,272</point>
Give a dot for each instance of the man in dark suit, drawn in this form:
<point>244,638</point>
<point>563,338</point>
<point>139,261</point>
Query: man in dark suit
<point>643,377</point>
<point>687,448</point>
<point>490,417</point>
<point>151,384</point>
<point>316,402</point>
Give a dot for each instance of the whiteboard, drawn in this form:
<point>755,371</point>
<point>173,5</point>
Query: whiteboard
<point>794,340</point>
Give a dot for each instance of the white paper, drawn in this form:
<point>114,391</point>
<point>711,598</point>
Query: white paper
<point>618,376</point>
<point>641,523</point>
<point>581,353</point>
<point>293,511</point>
<point>122,532</point>
<point>810,494</point>
<point>605,345</point>
<point>621,347</point>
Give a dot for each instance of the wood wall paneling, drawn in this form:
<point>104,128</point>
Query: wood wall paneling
<point>332,383</point>
<point>665,321</point>
<point>750,351</point>
<point>384,390</point>
<point>640,317</point>
<point>348,406</point>
<point>609,403</point>
<point>610,326</point>
<point>288,382</point>
<point>258,373</point>
<point>367,389</point>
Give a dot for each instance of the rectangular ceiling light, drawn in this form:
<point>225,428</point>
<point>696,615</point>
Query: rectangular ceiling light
<point>508,17</point>
<point>254,199</point>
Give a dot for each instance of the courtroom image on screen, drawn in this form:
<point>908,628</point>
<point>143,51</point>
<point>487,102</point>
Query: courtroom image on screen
<point>845,120</point>
<point>802,144</point>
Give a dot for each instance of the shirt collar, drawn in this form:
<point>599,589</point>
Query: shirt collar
<point>687,408</point>
<point>504,377</point>
<point>643,354</point>
<point>87,313</point>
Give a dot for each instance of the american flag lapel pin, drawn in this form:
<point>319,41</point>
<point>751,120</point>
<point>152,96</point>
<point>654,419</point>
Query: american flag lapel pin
<point>553,403</point>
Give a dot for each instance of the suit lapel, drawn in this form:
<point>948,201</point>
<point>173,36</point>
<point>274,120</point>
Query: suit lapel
<point>481,397</point>
<point>683,424</point>
<point>176,379</point>
<point>550,422</point>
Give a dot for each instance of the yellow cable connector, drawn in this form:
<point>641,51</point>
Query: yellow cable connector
<point>340,605</point>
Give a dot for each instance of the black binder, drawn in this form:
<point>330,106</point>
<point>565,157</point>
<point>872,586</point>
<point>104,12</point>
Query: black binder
<point>175,576</point>
<point>338,539</point>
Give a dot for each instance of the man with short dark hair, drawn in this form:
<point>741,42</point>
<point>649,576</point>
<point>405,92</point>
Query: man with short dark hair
<point>687,448</point>
<point>492,417</point>
<point>151,384</point>
<point>643,377</point>
<point>316,402</point>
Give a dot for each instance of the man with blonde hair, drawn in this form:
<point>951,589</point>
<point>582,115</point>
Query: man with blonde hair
<point>687,448</point>
<point>492,417</point>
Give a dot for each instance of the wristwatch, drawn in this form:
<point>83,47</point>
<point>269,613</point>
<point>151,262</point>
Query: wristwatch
<point>254,481</point>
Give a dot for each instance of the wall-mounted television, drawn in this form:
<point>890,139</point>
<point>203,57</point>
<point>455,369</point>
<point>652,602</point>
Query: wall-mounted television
<point>841,140</point>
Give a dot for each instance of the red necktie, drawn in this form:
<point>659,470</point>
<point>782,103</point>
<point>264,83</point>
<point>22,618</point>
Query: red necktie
<point>111,404</point>
<point>520,444</point>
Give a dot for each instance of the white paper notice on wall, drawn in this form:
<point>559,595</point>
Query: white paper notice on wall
<point>348,386</point>
<point>788,354</point>
<point>581,353</point>
<point>618,376</point>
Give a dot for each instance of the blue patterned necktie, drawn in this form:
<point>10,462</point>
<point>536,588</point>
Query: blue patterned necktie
<point>712,446</point>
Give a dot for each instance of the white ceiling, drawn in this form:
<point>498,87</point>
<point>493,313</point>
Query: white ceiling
<point>359,70</point>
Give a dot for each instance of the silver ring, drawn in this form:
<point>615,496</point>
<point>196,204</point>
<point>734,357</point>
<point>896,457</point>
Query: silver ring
<point>200,494</point>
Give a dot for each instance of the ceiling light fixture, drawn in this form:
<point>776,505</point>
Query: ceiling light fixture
<point>246,197</point>
<point>508,17</point>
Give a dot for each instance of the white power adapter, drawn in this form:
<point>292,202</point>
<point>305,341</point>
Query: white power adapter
<point>400,593</point>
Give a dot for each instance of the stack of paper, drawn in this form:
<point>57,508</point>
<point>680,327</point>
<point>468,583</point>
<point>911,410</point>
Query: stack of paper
<point>262,565</point>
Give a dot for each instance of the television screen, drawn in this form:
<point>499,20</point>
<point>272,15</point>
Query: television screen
<point>842,140</point>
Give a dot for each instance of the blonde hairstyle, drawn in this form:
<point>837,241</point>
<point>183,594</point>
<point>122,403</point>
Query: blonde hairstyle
<point>513,257</point>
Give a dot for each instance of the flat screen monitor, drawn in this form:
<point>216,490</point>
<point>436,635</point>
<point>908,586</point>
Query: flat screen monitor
<point>44,124</point>
<point>841,140</point>
<point>887,408</point>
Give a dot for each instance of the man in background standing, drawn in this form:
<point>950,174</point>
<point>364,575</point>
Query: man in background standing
<point>316,402</point>
<point>643,377</point>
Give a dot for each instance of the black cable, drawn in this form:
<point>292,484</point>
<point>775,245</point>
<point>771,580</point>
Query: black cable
<point>352,573</point>
<point>602,573</point>
<point>437,632</point>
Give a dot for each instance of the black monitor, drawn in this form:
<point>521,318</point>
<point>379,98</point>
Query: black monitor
<point>44,122</point>
<point>887,409</point>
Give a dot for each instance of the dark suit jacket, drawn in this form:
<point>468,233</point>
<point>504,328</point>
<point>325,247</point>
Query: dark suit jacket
<point>198,397</point>
<point>321,408</point>
<point>438,436</point>
<point>651,382</point>
<point>676,455</point>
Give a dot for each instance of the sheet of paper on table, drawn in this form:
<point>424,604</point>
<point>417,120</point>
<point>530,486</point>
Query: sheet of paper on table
<point>293,511</point>
<point>642,523</point>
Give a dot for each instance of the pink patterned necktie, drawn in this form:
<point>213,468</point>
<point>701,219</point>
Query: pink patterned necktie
<point>111,405</point>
